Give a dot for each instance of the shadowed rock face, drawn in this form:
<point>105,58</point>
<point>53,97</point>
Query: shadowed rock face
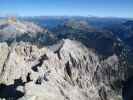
<point>73,73</point>
<point>128,89</point>
<point>10,91</point>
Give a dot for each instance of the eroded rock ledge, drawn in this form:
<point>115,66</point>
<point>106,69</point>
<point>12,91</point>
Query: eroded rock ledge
<point>73,72</point>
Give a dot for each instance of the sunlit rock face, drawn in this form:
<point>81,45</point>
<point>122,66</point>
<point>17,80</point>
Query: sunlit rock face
<point>66,71</point>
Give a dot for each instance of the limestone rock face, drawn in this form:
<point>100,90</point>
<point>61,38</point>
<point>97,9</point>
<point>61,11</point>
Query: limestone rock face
<point>69,72</point>
<point>4,53</point>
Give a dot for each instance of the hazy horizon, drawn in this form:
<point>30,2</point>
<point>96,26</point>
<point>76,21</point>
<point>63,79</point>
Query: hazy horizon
<point>85,8</point>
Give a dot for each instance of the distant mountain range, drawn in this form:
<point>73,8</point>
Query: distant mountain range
<point>61,52</point>
<point>94,32</point>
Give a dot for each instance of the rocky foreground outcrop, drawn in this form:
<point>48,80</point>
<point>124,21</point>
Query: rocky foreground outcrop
<point>69,72</point>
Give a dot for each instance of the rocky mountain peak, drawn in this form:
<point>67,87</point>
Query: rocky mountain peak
<point>69,72</point>
<point>73,62</point>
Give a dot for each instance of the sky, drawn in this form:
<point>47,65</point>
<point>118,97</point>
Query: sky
<point>101,8</point>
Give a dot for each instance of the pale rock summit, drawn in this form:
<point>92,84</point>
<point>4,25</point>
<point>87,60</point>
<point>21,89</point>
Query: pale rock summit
<point>69,72</point>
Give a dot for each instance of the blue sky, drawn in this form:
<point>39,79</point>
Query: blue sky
<point>109,8</point>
